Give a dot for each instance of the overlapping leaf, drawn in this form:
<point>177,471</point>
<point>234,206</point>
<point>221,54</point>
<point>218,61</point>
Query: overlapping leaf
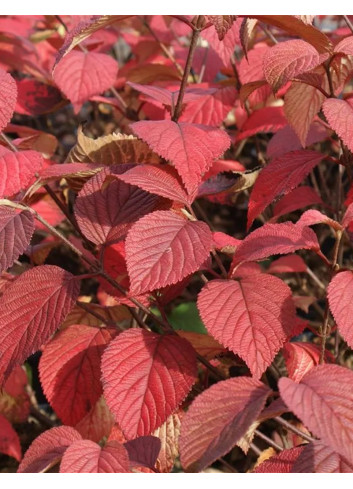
<point>267,119</point>
<point>18,170</point>
<point>340,297</point>
<point>162,248</point>
<point>142,398</point>
<point>339,114</point>
<point>300,358</point>
<point>298,198</point>
<point>282,462</point>
<point>143,451</point>
<point>252,317</point>
<point>218,418</point>
<point>9,440</point>
<point>323,403</point>
<point>319,458</point>
<point>8,97</point>
<point>168,433</point>
<point>31,309</point>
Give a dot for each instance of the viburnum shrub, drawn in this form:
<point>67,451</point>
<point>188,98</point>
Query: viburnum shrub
<point>176,226</point>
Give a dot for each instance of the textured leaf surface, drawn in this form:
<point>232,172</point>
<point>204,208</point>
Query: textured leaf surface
<point>16,231</point>
<point>226,46</point>
<point>282,462</point>
<point>288,59</point>
<point>48,448</point>
<point>275,239</point>
<point>146,376</point>
<point>143,450</point>
<point>218,418</point>
<point>80,75</point>
<point>37,98</point>
<point>31,309</point>
<point>339,114</point>
<point>296,199</point>
<point>85,456</point>
<point>190,147</point>
<point>252,317</point>
<point>17,170</point>
<point>319,458</point>
<point>8,96</point>
<point>170,97</point>
<point>285,173</point>
<point>98,423</point>
<point>168,433</point>
<point>163,181</point>
<point>312,216</point>
<point>323,403</point>
<point>162,248</point>
<point>300,358</point>
<point>105,212</point>
<point>70,370</point>
<point>9,440</point>
<point>222,24</point>
<point>340,298</point>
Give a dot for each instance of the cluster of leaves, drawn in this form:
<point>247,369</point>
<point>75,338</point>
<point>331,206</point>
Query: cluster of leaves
<point>168,339</point>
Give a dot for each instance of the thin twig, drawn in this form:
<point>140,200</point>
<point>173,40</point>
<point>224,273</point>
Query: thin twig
<point>292,428</point>
<point>268,440</point>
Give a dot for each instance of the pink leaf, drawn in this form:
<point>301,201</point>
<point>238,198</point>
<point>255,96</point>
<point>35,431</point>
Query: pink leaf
<point>98,423</point>
<point>345,46</point>
<point>16,231</point>
<point>323,403</point>
<point>162,248</point>
<point>85,456</point>
<point>252,317</point>
<point>226,46</point>
<point>288,264</point>
<point>319,458</point>
<point>70,370</point>
<point>348,216</point>
<point>81,75</point>
<point>288,59</point>
<point>190,147</point>
<point>284,173</point>
<point>159,180</point>
<point>282,462</point>
<point>339,114</point>
<point>170,97</point>
<point>251,70</point>
<point>105,212</point>
<point>296,199</point>
<point>300,358</point>
<point>218,418</point>
<point>312,216</point>
<point>8,96</point>
<point>143,451</point>
<point>286,140</point>
<point>275,239</point>
<point>146,376</point>
<point>63,170</point>
<point>267,119</point>
<point>48,448</point>
<point>9,440</point>
<point>18,170</point>
<point>340,298</point>
<point>31,309</point>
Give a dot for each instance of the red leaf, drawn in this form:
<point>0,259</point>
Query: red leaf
<point>282,462</point>
<point>212,109</point>
<point>323,403</point>
<point>142,398</point>
<point>31,309</point>
<point>143,451</point>
<point>296,199</point>
<point>288,59</point>
<point>97,424</point>
<point>275,239</point>
<point>286,140</point>
<point>48,448</point>
<point>162,248</point>
<point>63,170</point>
<point>251,70</point>
<point>159,180</point>
<point>339,114</point>
<point>81,75</point>
<point>252,317</point>
<point>284,173</point>
<point>36,98</point>
<point>8,96</point>
<point>105,212</point>
<point>18,170</point>
<point>16,231</point>
<point>85,456</point>
<point>267,119</point>
<point>340,295</point>
<point>312,216</point>
<point>190,147</point>
<point>218,418</point>
<point>70,370</point>
<point>345,46</point>
<point>9,440</point>
<point>348,217</point>
<point>300,358</point>
<point>222,24</point>
<point>319,458</point>
<point>225,47</point>
<point>288,264</point>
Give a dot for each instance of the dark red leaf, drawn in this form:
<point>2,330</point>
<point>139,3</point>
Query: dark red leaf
<point>146,376</point>
<point>286,140</point>
<point>143,451</point>
<point>48,448</point>
<point>284,174</point>
<point>323,403</point>
<point>222,24</point>
<point>162,248</point>
<point>8,96</point>
<point>267,119</point>
<point>9,440</point>
<point>298,198</point>
<point>282,462</point>
<point>85,456</point>
<point>46,295</point>
<point>319,458</point>
<point>252,317</point>
<point>36,98</point>
<point>16,231</point>
<point>218,418</point>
